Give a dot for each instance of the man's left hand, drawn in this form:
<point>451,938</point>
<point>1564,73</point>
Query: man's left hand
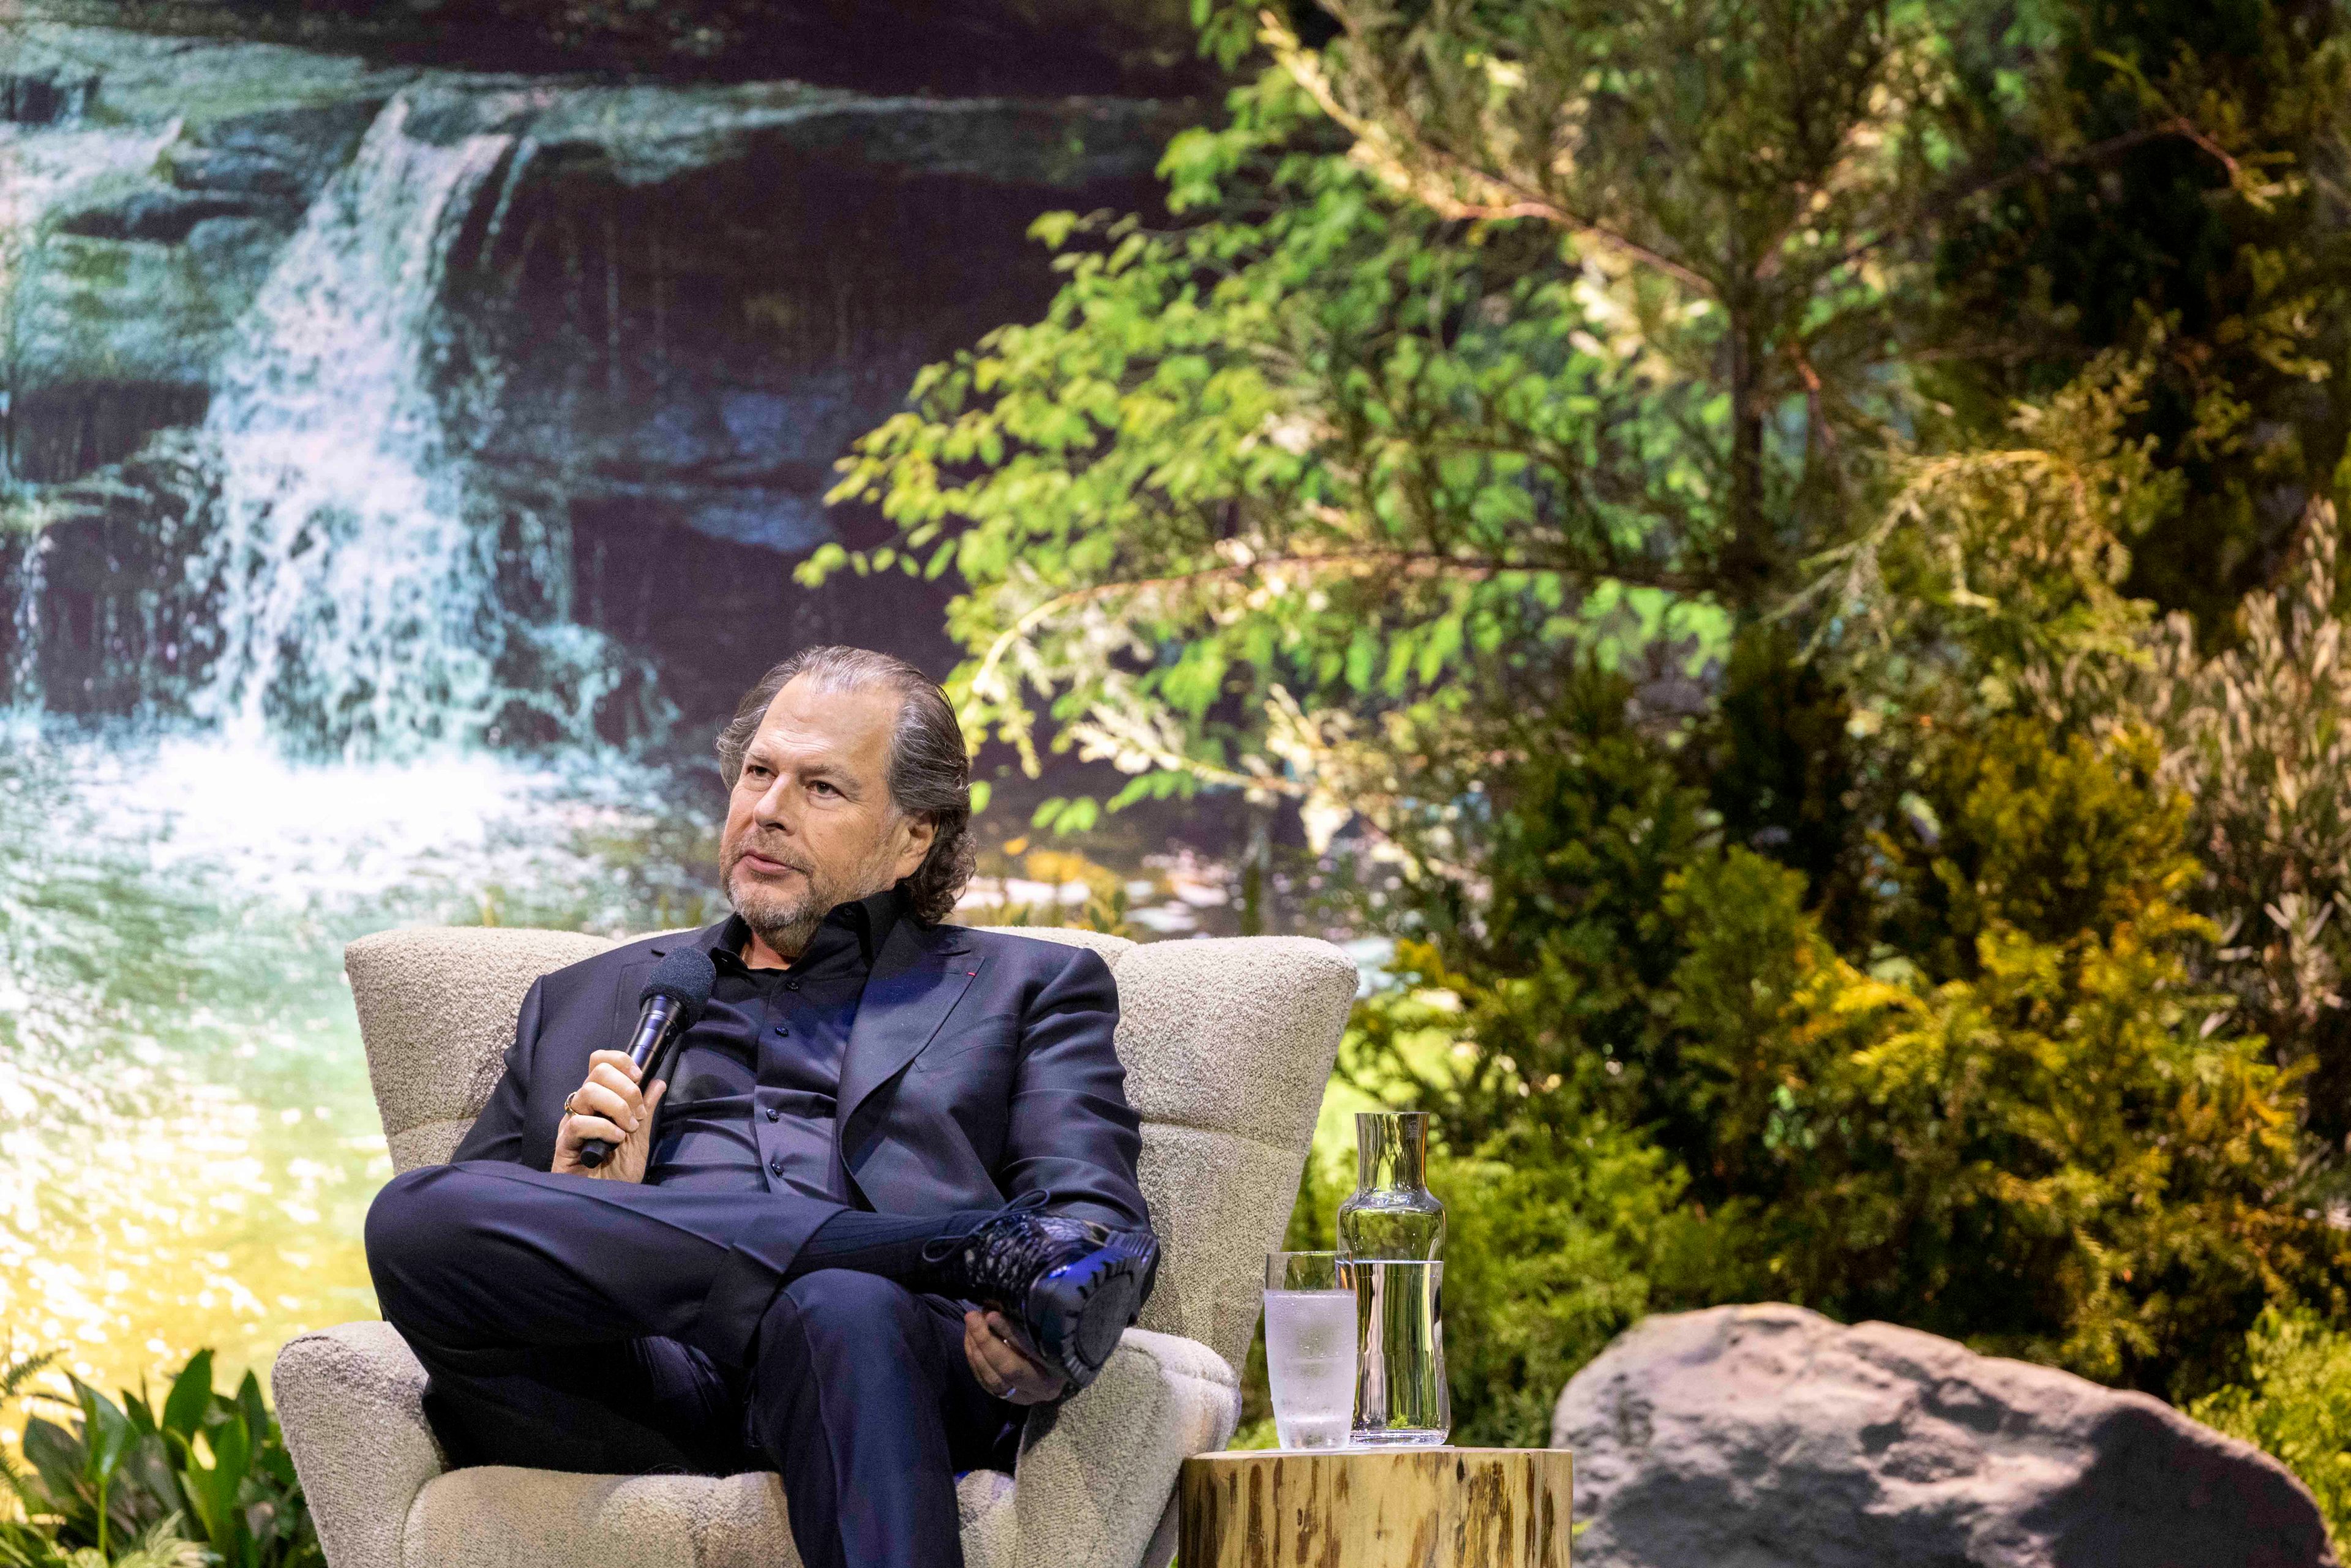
<point>992,1345</point>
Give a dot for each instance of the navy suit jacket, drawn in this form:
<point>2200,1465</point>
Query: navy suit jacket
<point>979,1068</point>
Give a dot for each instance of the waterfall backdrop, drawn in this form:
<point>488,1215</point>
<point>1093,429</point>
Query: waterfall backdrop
<point>404,458</point>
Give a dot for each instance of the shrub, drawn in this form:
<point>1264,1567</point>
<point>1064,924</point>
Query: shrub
<point>2033,1132</point>
<point>163,1546</point>
<point>2011,1117</point>
<point>2261,738</point>
<point>1552,1232</point>
<point>2296,1407</point>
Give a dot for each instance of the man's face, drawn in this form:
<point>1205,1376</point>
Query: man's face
<point>811,824</point>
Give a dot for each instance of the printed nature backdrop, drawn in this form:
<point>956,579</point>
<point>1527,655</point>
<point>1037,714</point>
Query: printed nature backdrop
<point>408,431</point>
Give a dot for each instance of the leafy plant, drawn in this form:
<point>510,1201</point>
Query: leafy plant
<point>161,1546</point>
<point>2295,1407</point>
<point>1557,1231</point>
<point>2262,739</point>
<point>1511,363</point>
<point>108,1477</point>
<point>1256,488</point>
<point>2018,1122</point>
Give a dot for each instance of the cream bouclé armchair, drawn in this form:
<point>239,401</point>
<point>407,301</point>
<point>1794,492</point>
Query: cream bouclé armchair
<point>1226,1045</point>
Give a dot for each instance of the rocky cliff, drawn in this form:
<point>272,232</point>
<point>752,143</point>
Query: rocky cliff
<point>343,397</point>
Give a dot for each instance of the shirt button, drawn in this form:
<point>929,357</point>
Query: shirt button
<point>773,1113</point>
<point>791,985</point>
<point>783,1029</point>
<point>776,1165</point>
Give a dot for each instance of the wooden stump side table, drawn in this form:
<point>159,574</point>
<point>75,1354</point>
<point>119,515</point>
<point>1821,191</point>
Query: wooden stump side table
<point>1377,1508</point>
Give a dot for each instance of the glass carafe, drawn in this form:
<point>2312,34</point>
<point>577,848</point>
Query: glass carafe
<point>1392,1244</point>
<point>1392,1214</point>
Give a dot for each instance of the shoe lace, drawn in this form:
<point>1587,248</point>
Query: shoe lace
<point>947,1242</point>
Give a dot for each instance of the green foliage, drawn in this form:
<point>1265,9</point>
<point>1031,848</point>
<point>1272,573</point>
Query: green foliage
<point>117,1479</point>
<point>2023,1132</point>
<point>1312,460</point>
<point>1551,965</point>
<point>2046,1162</point>
<point>1663,506</point>
<point>1786,778</point>
<point>2039,276</point>
<point>1991,578</point>
<point>1974,203</point>
<point>2263,732</point>
<point>1747,179</point>
<point>2021,1127</point>
<point>1553,1233</point>
<point>2057,838</point>
<point>1610,326</point>
<point>161,1546</point>
<point>2295,1405</point>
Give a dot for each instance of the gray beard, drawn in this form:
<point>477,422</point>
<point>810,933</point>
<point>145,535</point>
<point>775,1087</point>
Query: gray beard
<point>787,939</point>
<point>784,926</point>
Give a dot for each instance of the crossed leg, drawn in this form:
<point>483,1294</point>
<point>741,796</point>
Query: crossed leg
<point>609,1328</point>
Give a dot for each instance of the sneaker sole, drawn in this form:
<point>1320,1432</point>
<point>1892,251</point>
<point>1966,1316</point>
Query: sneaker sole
<point>1078,1311</point>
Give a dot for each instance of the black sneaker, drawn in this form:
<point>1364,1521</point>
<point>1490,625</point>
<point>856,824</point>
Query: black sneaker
<point>1072,1286</point>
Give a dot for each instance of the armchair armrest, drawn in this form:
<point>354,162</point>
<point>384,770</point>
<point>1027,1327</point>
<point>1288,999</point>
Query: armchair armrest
<point>351,1400</point>
<point>1096,1483</point>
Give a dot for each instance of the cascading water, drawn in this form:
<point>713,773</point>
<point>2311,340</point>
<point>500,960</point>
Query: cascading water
<point>186,1139</point>
<point>25,620</point>
<point>356,574</point>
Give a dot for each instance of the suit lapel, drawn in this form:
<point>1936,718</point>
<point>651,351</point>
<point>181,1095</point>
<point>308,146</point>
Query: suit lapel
<point>918,976</point>
<point>629,984</point>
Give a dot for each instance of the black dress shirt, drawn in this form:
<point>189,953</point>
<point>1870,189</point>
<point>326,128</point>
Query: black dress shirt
<point>753,1085</point>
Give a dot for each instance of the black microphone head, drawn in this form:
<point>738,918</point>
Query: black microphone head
<point>685,976</point>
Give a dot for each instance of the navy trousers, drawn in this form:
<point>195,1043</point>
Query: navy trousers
<point>614,1329</point>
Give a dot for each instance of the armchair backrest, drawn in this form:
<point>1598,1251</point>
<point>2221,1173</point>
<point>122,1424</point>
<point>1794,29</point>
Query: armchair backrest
<point>1226,1044</point>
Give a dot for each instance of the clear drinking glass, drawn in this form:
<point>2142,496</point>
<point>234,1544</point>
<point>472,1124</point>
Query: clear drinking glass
<point>1312,1348</point>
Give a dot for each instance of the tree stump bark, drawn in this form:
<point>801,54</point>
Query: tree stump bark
<point>1378,1508</point>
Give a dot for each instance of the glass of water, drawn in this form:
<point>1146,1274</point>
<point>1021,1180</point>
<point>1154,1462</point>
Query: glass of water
<point>1310,1349</point>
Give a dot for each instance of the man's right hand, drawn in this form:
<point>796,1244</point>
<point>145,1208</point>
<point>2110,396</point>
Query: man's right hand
<point>609,1106</point>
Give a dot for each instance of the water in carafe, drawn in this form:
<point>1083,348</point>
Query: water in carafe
<point>1392,1243</point>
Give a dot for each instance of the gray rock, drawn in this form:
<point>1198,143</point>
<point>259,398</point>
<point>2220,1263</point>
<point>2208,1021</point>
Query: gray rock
<point>157,214</point>
<point>44,99</point>
<point>1769,1436</point>
<point>274,154</point>
<point>141,233</point>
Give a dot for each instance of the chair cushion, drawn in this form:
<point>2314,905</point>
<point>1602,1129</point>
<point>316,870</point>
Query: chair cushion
<point>500,1517</point>
<point>437,1006</point>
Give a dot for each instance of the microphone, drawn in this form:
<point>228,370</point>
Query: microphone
<point>670,1003</point>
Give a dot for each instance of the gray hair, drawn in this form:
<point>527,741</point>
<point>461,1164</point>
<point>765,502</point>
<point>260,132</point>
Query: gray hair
<point>930,771</point>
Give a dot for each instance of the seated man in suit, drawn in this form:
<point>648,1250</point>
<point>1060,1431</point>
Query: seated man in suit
<point>884,1198</point>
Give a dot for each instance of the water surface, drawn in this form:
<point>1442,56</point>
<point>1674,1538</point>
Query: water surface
<point>187,1140</point>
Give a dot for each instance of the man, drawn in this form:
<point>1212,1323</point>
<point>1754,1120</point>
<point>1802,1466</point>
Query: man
<point>885,1197</point>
